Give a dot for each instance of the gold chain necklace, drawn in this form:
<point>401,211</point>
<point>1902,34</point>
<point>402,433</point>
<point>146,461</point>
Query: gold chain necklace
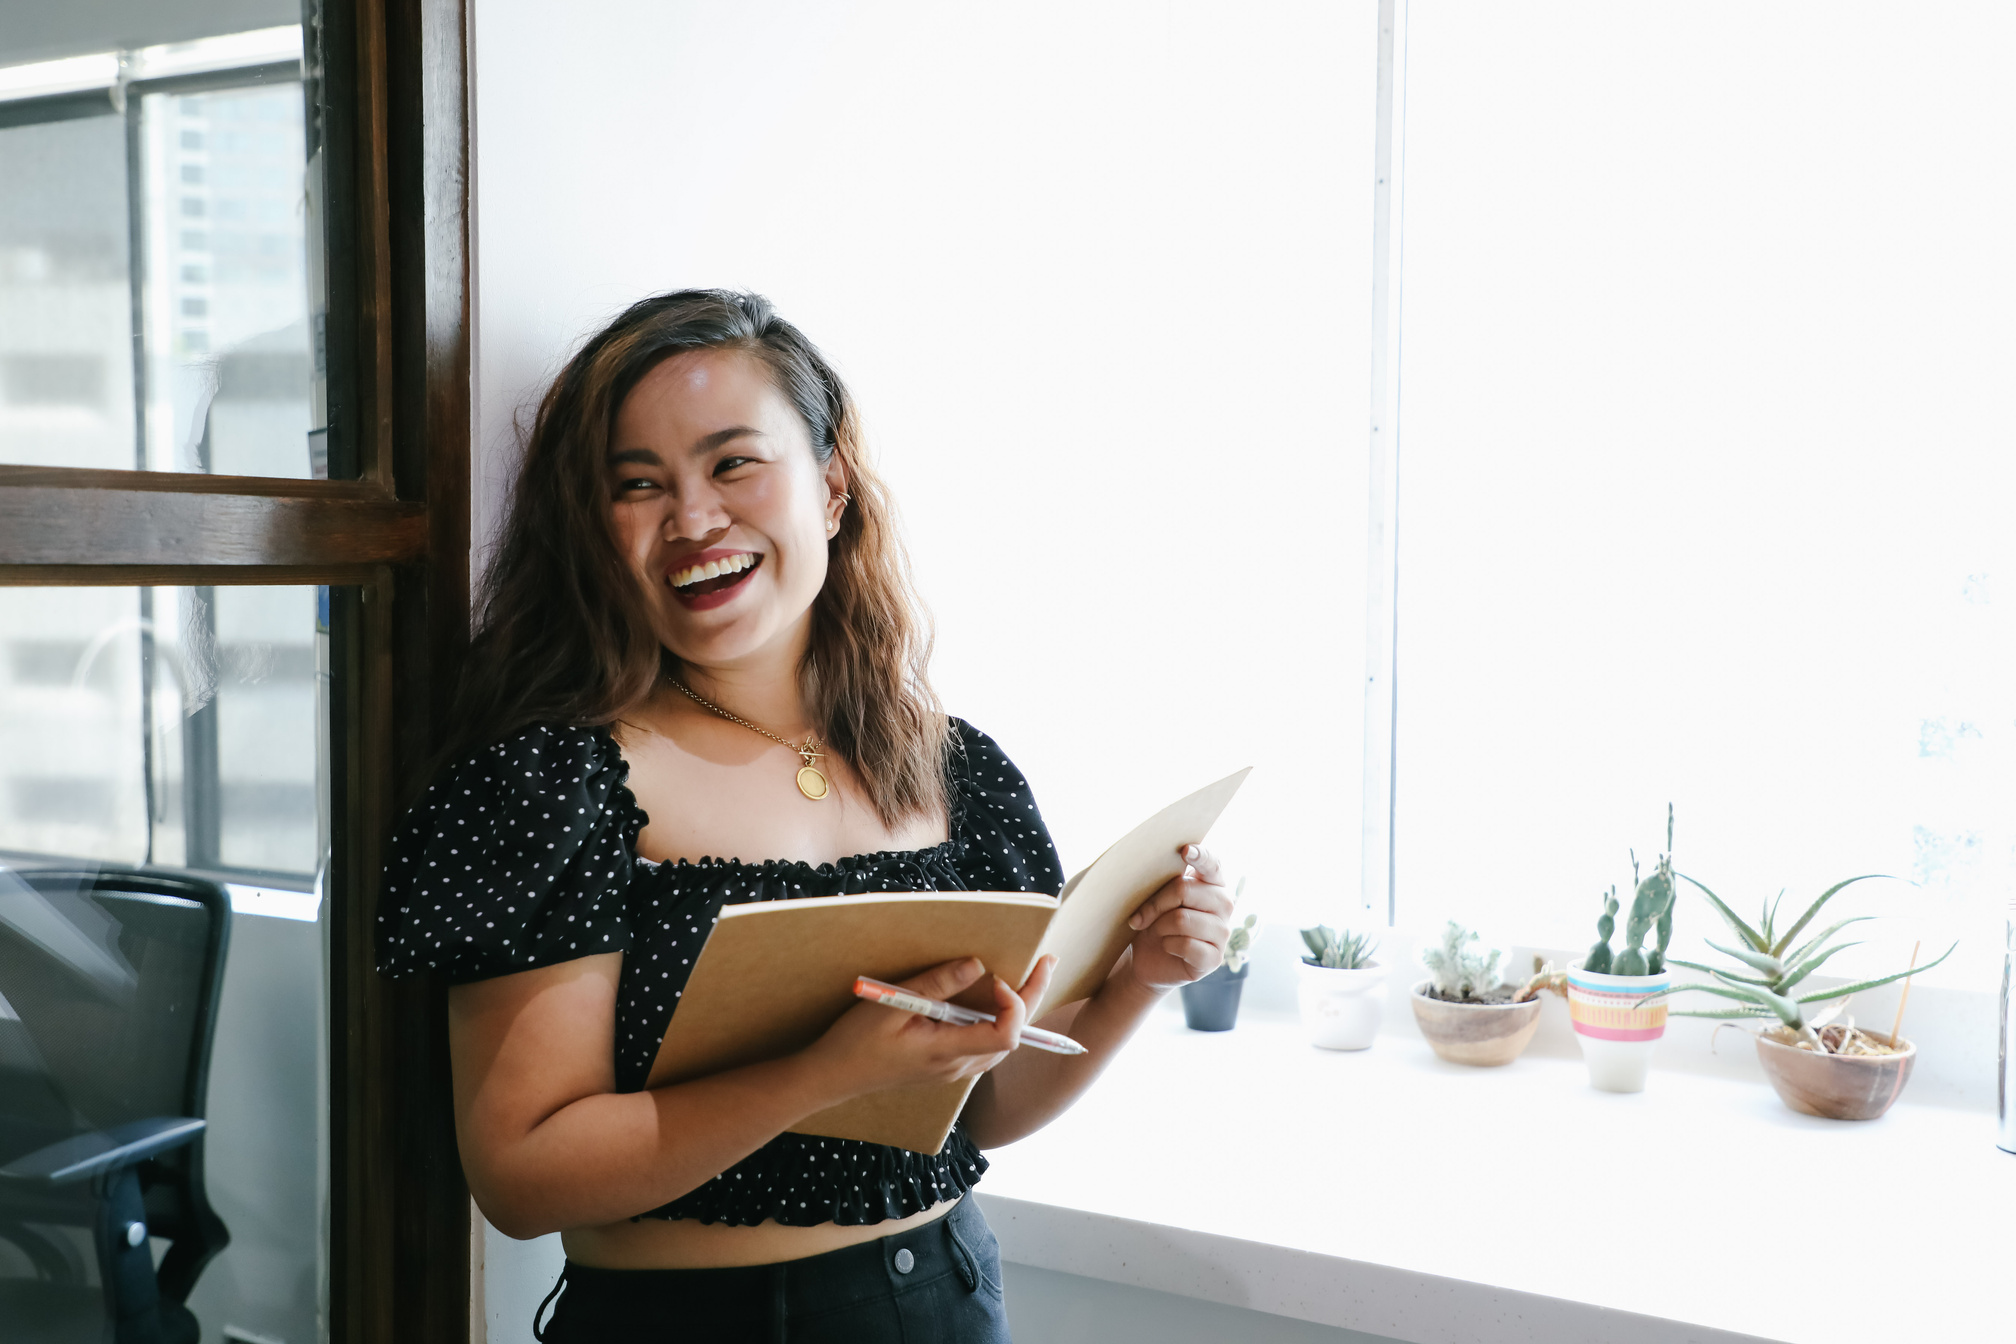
<point>811,782</point>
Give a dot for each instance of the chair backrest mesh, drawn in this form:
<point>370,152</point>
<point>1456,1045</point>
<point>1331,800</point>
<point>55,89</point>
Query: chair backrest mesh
<point>108,981</point>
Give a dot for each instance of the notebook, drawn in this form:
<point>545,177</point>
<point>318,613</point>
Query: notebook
<point>774,975</point>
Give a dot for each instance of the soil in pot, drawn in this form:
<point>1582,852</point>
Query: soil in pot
<point>1212,1004</point>
<point>1837,1086</point>
<point>1485,1034</point>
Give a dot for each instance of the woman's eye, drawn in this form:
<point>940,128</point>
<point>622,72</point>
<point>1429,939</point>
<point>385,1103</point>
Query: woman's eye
<point>728,464</point>
<point>634,484</point>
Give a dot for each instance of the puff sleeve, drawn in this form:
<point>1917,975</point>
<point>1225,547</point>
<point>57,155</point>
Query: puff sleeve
<point>1008,848</point>
<point>517,856</point>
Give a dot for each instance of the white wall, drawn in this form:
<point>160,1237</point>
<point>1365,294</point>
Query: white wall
<point>1098,276</point>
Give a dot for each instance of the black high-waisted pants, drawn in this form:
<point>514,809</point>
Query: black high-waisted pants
<point>935,1284</point>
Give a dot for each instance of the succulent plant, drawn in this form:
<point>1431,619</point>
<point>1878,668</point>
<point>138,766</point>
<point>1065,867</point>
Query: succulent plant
<point>1240,944</point>
<point>1462,973</point>
<point>1336,951</point>
<point>1775,968</point>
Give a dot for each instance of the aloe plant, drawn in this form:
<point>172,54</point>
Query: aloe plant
<point>1776,968</point>
<point>1462,973</point>
<point>1336,951</point>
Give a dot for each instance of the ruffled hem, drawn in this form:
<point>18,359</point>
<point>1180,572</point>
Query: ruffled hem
<point>881,1184</point>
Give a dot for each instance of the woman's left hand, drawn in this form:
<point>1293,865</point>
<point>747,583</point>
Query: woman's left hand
<point>1181,930</point>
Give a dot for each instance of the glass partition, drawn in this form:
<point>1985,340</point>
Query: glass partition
<point>168,726</point>
<point>182,731</point>
<point>160,255</point>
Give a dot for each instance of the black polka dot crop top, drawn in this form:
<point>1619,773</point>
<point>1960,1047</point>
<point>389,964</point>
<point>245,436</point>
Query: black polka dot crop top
<point>525,854</point>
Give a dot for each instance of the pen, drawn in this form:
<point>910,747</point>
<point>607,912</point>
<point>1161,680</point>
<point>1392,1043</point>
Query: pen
<point>894,996</point>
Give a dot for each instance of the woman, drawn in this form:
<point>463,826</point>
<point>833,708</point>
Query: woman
<point>698,641</point>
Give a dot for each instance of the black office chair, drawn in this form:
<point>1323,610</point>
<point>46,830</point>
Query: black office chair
<point>108,996</point>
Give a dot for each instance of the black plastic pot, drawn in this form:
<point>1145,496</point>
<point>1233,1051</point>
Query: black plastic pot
<point>1212,1004</point>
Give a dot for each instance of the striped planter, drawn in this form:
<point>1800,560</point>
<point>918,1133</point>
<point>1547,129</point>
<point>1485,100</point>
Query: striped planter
<point>1615,1027</point>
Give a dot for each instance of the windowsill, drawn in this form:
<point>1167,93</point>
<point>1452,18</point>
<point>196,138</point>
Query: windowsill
<point>1388,1192</point>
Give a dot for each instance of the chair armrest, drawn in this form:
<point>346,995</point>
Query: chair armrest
<point>86,1155</point>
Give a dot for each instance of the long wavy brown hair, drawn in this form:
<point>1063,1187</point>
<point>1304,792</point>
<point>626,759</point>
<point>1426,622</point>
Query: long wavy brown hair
<point>562,631</point>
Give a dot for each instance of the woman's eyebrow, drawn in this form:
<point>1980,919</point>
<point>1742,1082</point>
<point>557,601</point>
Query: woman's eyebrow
<point>705,445</point>
<point>721,436</point>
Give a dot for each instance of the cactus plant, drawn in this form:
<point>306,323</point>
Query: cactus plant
<point>1337,951</point>
<point>1778,967</point>
<point>1651,910</point>
<point>1462,973</point>
<point>1599,956</point>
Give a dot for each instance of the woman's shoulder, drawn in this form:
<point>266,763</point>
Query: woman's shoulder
<point>998,815</point>
<point>516,856</point>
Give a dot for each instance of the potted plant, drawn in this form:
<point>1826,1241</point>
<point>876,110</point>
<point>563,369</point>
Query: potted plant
<point>1818,1066</point>
<point>1342,991</point>
<point>1212,1004</point>
<point>1467,1014</point>
<point>1616,1000</point>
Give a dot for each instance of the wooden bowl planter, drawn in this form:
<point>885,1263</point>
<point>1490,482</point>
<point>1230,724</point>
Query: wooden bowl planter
<point>1836,1087</point>
<point>1212,1004</point>
<point>1485,1035</point>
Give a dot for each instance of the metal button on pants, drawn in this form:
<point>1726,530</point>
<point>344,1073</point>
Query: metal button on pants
<point>905,1261</point>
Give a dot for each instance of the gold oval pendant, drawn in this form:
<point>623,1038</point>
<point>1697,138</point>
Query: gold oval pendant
<point>811,783</point>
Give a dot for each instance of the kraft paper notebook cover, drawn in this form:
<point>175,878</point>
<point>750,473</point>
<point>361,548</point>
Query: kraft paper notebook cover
<point>775,974</point>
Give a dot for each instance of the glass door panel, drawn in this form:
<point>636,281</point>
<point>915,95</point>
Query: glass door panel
<point>161,283</point>
<point>173,728</point>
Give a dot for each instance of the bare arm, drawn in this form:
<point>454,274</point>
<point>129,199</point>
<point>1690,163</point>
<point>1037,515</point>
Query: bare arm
<point>548,1144</point>
<point>1180,936</point>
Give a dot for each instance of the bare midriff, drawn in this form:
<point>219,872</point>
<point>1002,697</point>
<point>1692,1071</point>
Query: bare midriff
<point>676,1243</point>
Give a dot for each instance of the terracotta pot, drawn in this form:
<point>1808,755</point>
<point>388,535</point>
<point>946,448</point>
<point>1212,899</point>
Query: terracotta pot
<point>1836,1087</point>
<point>1485,1035</point>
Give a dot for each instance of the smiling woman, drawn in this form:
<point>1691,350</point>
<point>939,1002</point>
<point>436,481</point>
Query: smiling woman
<point>699,429</point>
<point>699,601</point>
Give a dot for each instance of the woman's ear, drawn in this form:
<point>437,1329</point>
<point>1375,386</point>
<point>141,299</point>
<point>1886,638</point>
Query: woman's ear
<point>837,498</point>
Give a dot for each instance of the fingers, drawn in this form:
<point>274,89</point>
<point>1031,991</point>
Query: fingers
<point>1205,864</point>
<point>1199,887</point>
<point>1200,956</point>
<point>1038,983</point>
<point>945,980</point>
<point>1198,924</point>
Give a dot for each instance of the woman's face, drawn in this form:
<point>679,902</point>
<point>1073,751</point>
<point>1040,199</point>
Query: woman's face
<point>722,509</point>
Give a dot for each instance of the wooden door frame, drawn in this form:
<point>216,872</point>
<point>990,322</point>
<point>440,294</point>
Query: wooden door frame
<point>393,541</point>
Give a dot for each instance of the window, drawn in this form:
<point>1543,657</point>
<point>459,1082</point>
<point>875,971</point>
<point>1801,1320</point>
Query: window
<point>190,209</point>
<point>233,578</point>
<point>1707,453</point>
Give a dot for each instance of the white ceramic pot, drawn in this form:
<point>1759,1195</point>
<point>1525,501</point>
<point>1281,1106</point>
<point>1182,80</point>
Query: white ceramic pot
<point>1341,1010</point>
<point>1615,1028</point>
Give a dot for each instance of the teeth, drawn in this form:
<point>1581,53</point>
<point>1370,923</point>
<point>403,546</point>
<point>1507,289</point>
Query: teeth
<point>713,569</point>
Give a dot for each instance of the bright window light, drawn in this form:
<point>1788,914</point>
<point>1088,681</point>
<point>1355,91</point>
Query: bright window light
<point>1707,460</point>
<point>70,75</point>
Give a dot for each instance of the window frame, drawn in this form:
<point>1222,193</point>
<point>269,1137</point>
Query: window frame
<point>389,79</point>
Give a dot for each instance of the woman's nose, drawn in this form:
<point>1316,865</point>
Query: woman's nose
<point>695,513</point>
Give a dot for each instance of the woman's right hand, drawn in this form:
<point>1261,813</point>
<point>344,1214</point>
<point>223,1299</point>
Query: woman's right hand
<point>872,1047</point>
